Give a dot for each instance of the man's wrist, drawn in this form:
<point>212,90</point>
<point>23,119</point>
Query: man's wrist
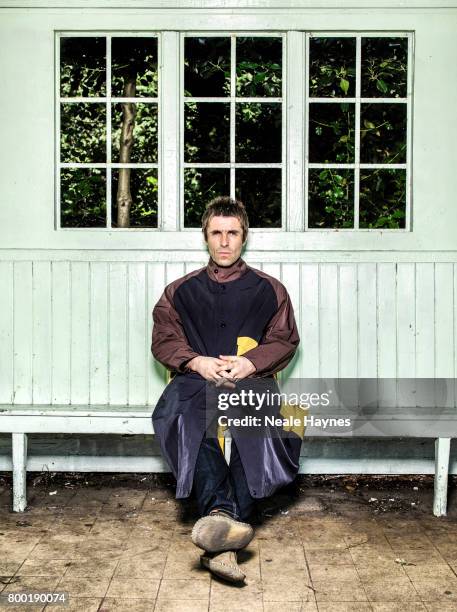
<point>192,363</point>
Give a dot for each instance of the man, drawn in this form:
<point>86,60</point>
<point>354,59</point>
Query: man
<point>223,326</point>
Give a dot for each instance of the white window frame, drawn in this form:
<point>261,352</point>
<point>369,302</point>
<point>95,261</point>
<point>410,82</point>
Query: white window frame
<point>107,100</point>
<point>295,104</point>
<point>233,99</point>
<point>357,100</point>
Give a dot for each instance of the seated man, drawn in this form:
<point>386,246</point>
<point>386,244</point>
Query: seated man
<point>222,324</point>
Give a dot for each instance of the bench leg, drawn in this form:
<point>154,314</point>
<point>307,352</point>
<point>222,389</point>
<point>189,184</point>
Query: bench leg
<point>442,451</point>
<point>19,471</point>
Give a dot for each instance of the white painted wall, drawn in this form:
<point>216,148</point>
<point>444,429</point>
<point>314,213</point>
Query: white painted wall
<point>75,322</point>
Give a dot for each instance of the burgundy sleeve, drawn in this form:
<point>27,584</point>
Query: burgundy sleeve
<point>169,342</point>
<point>280,340</point>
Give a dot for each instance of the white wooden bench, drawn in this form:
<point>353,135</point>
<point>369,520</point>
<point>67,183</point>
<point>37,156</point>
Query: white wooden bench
<point>22,420</point>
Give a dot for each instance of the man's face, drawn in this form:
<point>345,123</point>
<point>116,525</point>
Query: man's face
<point>224,239</point>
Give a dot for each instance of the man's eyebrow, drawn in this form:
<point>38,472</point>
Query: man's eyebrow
<point>217,231</point>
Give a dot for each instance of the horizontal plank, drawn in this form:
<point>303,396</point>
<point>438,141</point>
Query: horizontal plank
<point>75,425</point>
<point>269,255</point>
<point>221,6</point>
<point>323,465</point>
<point>83,410</point>
<point>87,463</point>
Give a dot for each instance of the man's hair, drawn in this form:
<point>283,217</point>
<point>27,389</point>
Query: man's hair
<point>224,206</point>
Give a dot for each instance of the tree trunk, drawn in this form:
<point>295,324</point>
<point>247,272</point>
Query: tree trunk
<point>124,197</point>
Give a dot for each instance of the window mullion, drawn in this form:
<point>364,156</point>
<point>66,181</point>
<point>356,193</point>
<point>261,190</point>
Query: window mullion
<point>169,132</point>
<point>358,86</point>
<point>233,94</point>
<point>294,107</point>
<point>108,133</point>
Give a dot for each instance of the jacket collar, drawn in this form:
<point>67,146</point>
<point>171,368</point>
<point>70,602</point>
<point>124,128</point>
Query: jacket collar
<point>225,274</point>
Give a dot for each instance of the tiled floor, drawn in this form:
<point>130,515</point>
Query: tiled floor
<point>120,548</point>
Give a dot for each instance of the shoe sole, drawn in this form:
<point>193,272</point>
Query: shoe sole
<point>218,533</point>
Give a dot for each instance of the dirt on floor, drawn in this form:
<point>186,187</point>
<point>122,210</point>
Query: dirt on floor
<point>334,494</point>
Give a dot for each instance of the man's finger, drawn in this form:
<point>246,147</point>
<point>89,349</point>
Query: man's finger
<point>220,362</point>
<point>224,364</point>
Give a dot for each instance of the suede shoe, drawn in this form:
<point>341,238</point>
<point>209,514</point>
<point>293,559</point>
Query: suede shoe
<point>224,565</point>
<point>220,532</point>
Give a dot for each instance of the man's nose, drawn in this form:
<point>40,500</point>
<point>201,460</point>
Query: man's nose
<point>224,238</point>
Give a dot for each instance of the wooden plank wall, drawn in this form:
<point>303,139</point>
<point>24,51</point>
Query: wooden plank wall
<point>79,331</point>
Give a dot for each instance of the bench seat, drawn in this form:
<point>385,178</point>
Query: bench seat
<point>20,420</point>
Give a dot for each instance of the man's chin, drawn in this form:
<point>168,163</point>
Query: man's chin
<point>225,262</point>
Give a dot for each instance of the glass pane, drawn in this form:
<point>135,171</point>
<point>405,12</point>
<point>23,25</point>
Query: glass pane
<point>332,67</point>
<point>207,66</point>
<point>382,198</point>
<point>331,133</point>
<point>330,198</point>
<point>384,67</point>
<point>134,190</point>
<point>260,191</point>
<point>207,132</point>
<point>82,66</point>
<point>200,186</point>
<point>143,146</point>
<point>259,66</point>
<point>383,133</point>
<point>134,67</point>
<point>82,197</point>
<point>83,132</point>
<point>258,133</point>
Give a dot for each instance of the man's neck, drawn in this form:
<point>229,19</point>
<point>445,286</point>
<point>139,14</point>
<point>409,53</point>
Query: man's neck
<point>224,274</point>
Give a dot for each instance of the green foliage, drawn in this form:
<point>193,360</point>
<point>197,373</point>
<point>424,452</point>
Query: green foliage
<point>82,197</point>
<point>382,197</point>
<point>83,132</point>
<point>331,198</point>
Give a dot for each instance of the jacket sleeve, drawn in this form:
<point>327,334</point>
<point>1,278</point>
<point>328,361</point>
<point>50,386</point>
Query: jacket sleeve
<point>169,342</point>
<point>280,340</point>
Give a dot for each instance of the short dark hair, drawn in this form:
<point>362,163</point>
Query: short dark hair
<point>225,206</point>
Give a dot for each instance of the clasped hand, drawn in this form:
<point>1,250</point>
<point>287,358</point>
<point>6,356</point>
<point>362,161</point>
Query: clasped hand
<point>223,370</point>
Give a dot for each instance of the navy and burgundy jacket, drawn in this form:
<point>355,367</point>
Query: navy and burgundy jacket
<point>222,311</point>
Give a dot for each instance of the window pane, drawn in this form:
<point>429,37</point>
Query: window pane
<point>83,133</point>
<point>383,133</point>
<point>331,133</point>
<point>143,146</point>
<point>83,197</point>
<point>259,66</point>
<point>134,67</point>
<point>332,67</point>
<point>331,198</point>
<point>384,67</point>
<point>207,132</point>
<point>207,66</point>
<point>82,66</point>
<point>135,190</point>
<point>258,133</point>
<point>200,186</point>
<point>260,191</point>
<point>382,198</point>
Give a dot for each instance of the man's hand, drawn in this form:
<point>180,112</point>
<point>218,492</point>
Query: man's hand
<point>210,368</point>
<point>240,367</point>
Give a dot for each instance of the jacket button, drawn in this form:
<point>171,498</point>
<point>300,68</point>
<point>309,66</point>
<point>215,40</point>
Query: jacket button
<point>222,324</point>
<point>216,271</point>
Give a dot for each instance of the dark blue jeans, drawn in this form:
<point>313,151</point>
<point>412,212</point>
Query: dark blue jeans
<point>218,485</point>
